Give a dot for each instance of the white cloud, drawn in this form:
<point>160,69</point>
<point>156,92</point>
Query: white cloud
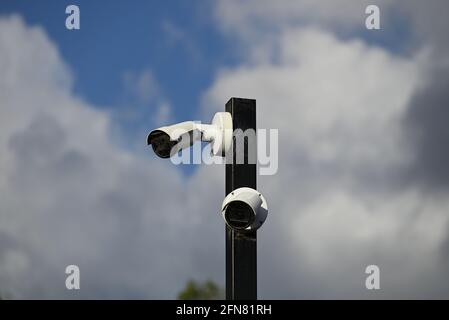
<point>256,18</point>
<point>142,85</point>
<point>337,203</point>
<point>137,228</point>
<point>68,195</point>
<point>331,91</point>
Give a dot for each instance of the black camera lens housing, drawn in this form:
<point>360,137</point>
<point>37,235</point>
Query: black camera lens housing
<point>239,215</point>
<point>161,143</point>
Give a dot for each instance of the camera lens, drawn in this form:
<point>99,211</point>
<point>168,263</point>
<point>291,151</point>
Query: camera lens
<point>239,215</point>
<point>161,143</point>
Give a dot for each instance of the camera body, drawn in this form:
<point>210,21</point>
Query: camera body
<point>244,209</point>
<point>169,140</point>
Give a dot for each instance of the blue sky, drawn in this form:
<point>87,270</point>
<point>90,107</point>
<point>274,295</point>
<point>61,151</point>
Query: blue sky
<point>176,41</point>
<point>362,146</point>
<point>117,37</point>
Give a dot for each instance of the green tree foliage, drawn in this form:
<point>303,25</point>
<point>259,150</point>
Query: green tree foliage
<point>201,291</point>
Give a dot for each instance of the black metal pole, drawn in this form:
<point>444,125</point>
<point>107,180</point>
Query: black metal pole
<point>241,247</point>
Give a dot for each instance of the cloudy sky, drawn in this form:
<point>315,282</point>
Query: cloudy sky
<point>362,116</point>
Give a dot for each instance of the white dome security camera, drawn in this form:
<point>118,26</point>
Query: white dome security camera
<point>167,141</point>
<point>244,209</point>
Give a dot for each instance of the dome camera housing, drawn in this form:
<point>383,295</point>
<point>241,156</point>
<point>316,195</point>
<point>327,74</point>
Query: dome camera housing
<point>244,209</point>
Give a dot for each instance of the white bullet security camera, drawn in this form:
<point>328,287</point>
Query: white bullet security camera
<point>167,141</point>
<point>244,209</point>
